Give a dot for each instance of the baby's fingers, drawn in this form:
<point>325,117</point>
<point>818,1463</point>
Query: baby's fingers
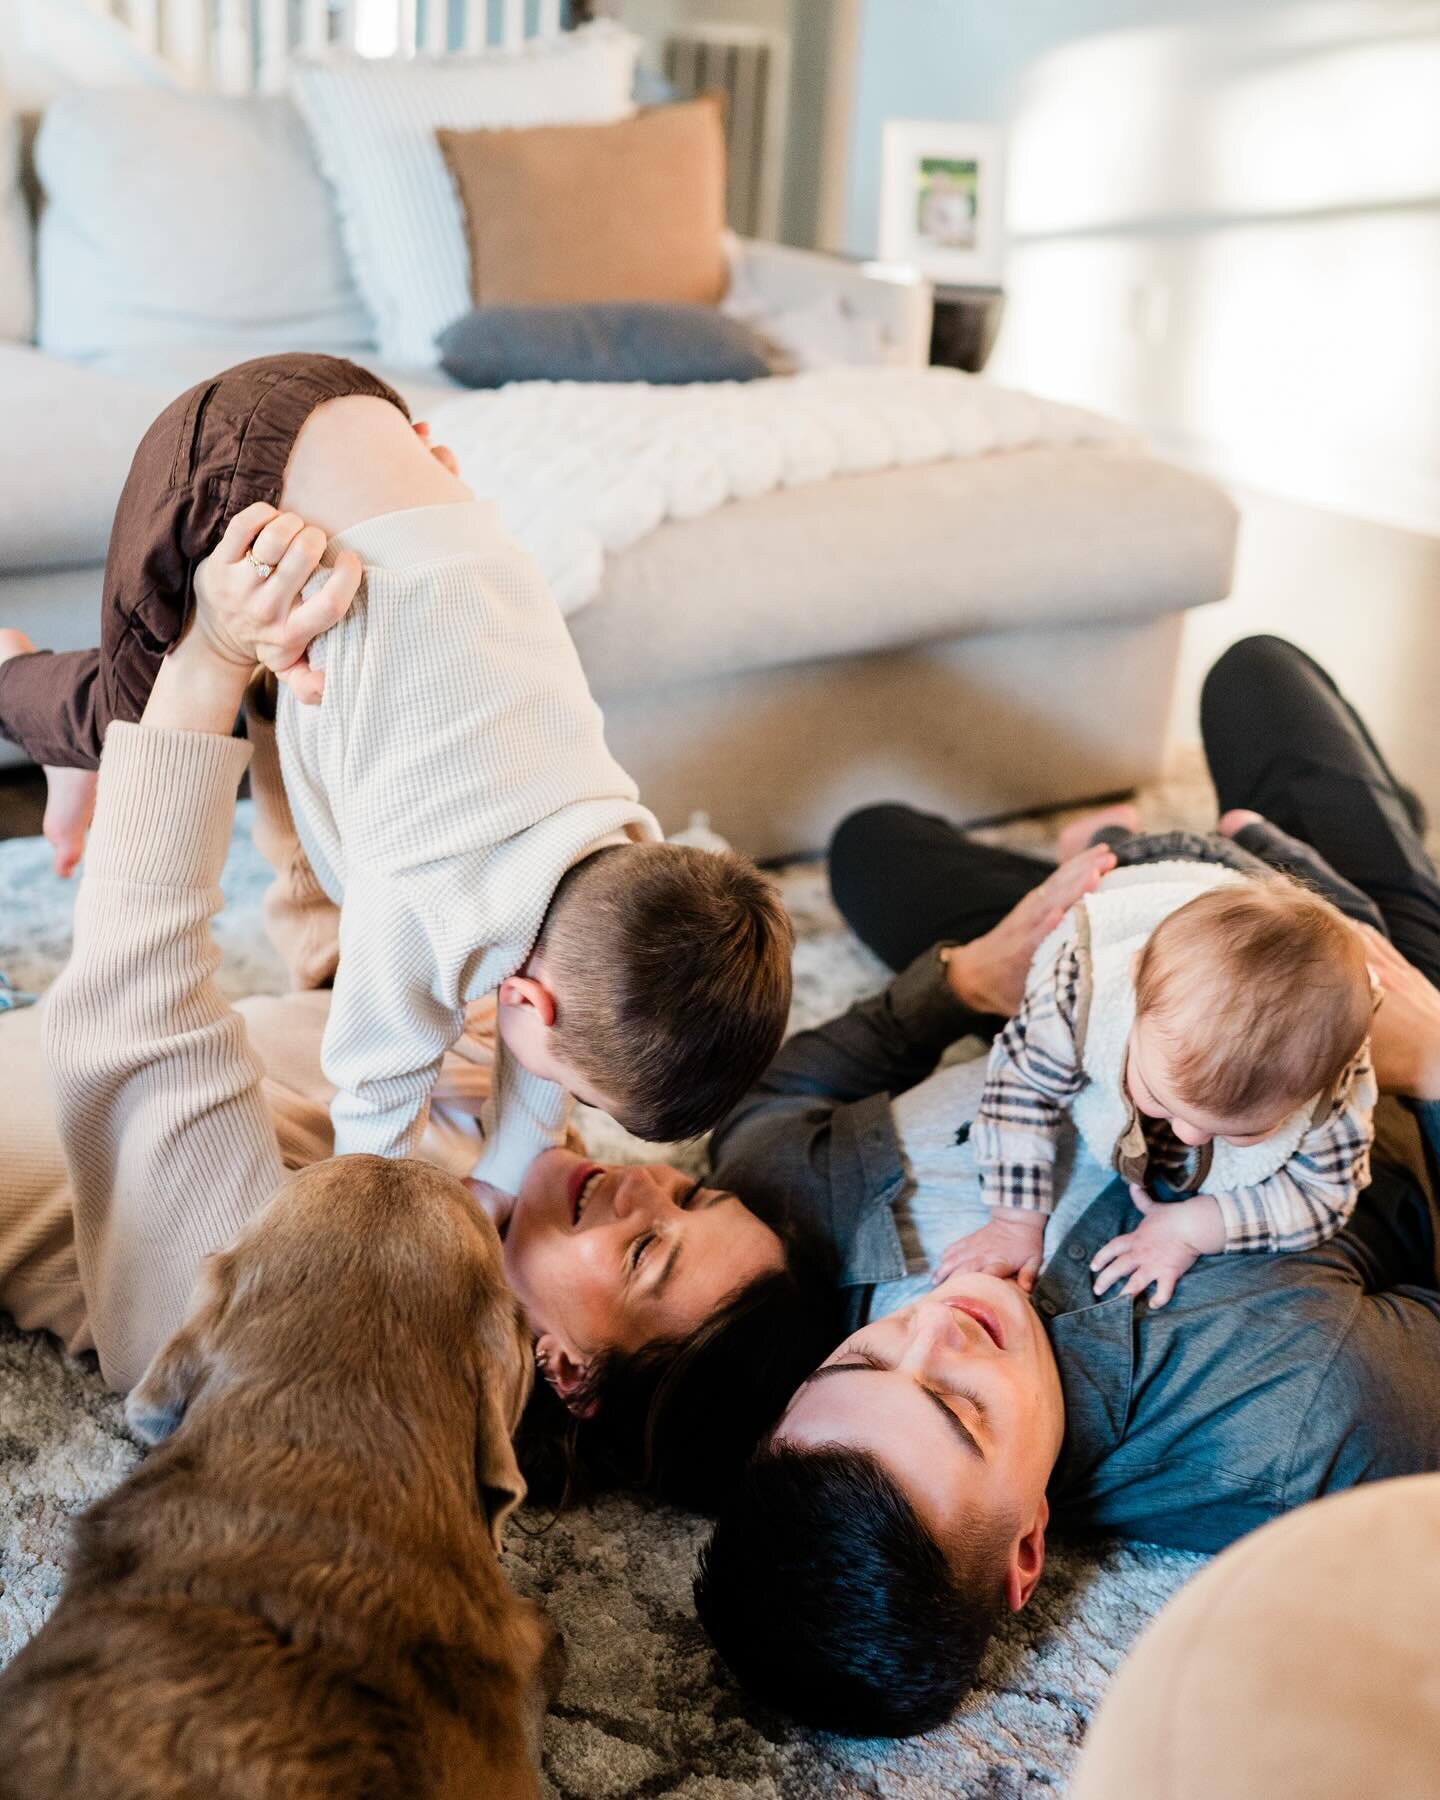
<point>1138,1282</point>
<point>1164,1287</point>
<point>1120,1265</point>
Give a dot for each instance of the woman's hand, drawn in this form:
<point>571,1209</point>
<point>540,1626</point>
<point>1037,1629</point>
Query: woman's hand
<point>1405,1033</point>
<point>988,974</point>
<point>248,617</point>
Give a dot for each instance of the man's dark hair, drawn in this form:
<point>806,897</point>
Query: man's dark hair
<point>679,1417</point>
<point>832,1601</point>
<point>672,974</point>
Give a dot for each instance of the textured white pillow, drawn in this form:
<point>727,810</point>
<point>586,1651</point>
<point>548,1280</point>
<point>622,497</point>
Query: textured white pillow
<point>175,218</point>
<point>374,127</point>
<point>17,282</point>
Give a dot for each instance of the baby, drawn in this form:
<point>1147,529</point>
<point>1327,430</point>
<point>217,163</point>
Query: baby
<point>1206,1026</point>
<point>452,787</point>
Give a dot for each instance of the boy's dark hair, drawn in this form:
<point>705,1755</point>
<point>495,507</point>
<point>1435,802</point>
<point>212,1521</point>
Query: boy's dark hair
<point>680,1417</point>
<point>672,971</point>
<point>832,1601</point>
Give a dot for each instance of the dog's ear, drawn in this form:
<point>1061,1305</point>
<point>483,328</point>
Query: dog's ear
<point>498,1480</point>
<point>157,1403</point>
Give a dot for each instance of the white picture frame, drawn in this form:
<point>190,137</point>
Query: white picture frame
<point>941,200</point>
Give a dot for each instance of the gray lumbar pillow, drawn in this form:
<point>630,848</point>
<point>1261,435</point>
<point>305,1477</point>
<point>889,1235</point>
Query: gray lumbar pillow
<point>622,340</point>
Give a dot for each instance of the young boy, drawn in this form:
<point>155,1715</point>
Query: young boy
<point>1205,1021</point>
<point>452,786</point>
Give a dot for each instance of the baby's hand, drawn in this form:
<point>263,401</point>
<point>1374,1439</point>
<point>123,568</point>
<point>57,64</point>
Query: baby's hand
<point>1009,1245</point>
<point>247,595</point>
<point>1162,1246</point>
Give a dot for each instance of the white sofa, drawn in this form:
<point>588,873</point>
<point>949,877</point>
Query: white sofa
<point>977,636</point>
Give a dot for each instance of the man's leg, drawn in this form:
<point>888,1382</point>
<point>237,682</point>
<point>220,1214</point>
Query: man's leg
<point>905,880</point>
<point>1281,741</point>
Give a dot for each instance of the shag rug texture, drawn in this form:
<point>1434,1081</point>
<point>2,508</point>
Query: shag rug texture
<point>647,1711</point>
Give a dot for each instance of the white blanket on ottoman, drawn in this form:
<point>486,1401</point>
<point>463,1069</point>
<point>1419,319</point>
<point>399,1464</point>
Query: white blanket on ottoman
<point>582,470</point>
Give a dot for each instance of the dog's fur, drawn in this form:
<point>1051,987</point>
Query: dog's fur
<point>297,1595</point>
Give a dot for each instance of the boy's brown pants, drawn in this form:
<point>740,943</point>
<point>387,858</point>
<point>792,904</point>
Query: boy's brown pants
<point>216,450</point>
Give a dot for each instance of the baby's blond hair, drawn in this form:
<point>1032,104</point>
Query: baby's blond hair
<point>1260,993</point>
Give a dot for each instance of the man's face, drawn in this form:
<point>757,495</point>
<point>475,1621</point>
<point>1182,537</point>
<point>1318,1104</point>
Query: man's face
<point>957,1395</point>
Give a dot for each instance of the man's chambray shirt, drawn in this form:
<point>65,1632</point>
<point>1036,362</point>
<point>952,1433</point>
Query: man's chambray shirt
<point>1267,1381</point>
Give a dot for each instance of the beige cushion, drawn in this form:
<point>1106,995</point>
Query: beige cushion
<point>1302,1665</point>
<point>630,211</point>
<point>907,556</point>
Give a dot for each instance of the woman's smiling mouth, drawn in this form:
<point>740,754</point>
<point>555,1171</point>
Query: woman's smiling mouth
<point>581,1181</point>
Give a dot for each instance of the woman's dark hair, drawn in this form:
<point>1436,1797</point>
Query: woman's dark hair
<point>680,1417</point>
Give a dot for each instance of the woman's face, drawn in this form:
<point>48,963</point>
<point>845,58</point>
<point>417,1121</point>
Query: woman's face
<point>612,1258</point>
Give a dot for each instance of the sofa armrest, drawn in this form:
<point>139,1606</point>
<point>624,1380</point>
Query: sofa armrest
<point>776,279</point>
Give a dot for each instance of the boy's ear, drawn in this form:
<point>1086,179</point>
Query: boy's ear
<point>156,1405</point>
<point>527,990</point>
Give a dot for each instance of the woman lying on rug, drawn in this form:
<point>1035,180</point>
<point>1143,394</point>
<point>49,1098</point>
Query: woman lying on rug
<point>901,1506</point>
<point>179,1116</point>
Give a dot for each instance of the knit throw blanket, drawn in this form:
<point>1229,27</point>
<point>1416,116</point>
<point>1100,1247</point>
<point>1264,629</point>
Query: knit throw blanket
<point>581,470</point>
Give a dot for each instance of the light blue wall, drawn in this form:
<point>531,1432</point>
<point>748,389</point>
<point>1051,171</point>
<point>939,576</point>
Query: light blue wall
<point>960,59</point>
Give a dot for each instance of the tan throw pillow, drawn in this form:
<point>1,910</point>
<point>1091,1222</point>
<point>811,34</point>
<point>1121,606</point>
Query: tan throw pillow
<point>567,213</point>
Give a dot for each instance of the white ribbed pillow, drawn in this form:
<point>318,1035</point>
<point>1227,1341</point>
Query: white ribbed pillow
<point>373,125</point>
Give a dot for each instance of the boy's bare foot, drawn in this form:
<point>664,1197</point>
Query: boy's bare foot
<point>70,793</point>
<point>1233,822</point>
<point>69,808</point>
<point>1076,836</point>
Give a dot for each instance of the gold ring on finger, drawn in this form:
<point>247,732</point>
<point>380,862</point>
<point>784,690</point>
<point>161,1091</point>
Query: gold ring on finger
<point>263,569</point>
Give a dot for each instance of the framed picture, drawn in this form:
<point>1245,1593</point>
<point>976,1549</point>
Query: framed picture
<point>940,200</point>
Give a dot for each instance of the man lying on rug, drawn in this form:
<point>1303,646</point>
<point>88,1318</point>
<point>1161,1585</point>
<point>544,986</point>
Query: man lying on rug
<point>902,1503</point>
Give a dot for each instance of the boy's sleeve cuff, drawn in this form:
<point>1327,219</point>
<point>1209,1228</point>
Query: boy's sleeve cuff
<point>166,805</point>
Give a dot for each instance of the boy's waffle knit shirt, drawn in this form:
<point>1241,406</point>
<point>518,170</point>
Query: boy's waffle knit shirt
<point>454,770</point>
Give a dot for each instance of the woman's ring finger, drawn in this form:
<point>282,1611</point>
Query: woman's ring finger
<point>263,569</point>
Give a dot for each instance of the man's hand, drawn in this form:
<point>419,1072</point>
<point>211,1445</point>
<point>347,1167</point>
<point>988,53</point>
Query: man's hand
<point>1010,1244</point>
<point>248,617</point>
<point>1162,1246</point>
<point>1405,1033</point>
<point>496,1205</point>
<point>988,974</point>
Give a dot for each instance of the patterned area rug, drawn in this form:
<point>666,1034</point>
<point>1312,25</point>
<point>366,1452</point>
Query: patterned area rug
<point>646,1712</point>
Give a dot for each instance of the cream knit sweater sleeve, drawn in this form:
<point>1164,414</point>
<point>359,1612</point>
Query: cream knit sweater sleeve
<point>157,1091</point>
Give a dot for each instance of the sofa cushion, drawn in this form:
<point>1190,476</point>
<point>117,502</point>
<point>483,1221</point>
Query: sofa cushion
<point>374,124</point>
<point>629,211</point>
<point>618,341</point>
<point>17,282</point>
<point>71,430</point>
<point>175,218</point>
<point>907,556</point>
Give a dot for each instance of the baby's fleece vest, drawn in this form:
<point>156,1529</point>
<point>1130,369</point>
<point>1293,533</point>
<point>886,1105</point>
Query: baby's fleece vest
<point>1108,929</point>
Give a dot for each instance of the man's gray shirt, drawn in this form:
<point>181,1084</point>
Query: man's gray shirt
<point>1267,1381</point>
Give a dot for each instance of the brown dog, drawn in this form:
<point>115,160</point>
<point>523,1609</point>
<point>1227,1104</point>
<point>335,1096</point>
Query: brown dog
<point>297,1595</point>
